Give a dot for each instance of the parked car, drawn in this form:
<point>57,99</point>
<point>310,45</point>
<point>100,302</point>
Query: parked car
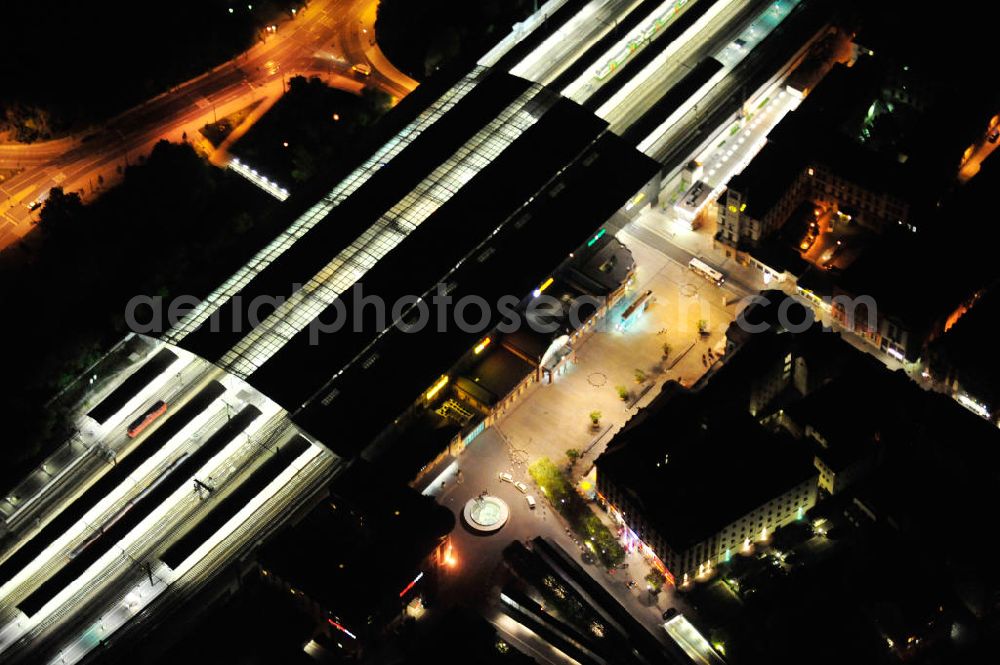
<point>531,501</point>
<point>505,477</point>
<point>521,486</point>
<point>993,136</point>
<point>362,69</point>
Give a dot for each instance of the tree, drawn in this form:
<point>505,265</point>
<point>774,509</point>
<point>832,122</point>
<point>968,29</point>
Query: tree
<point>243,222</point>
<point>640,376</point>
<point>655,580</point>
<point>60,210</point>
<point>376,104</point>
<point>595,418</point>
<point>622,392</point>
<point>561,494</point>
<point>572,455</point>
<point>703,326</point>
<point>304,165</point>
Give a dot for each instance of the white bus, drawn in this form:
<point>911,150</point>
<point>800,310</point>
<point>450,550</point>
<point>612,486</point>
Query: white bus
<point>707,272</point>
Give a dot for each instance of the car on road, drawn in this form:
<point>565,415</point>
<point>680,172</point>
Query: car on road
<point>531,501</point>
<point>521,486</point>
<point>994,135</point>
<point>362,69</point>
<point>39,202</point>
<point>505,477</point>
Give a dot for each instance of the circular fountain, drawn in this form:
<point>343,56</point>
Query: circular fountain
<point>486,513</point>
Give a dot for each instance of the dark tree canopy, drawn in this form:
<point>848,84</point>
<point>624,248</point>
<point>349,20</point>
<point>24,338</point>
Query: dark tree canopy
<point>74,63</point>
<point>421,36</point>
<point>316,122</point>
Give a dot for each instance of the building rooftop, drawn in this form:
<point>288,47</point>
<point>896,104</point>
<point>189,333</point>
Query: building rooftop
<point>849,413</point>
<point>764,314</point>
<point>766,179</point>
<point>694,467</point>
<point>372,391</point>
<point>493,377</point>
<point>600,269</point>
<point>963,350</point>
<point>456,232</point>
<point>355,552</point>
<point>487,95</point>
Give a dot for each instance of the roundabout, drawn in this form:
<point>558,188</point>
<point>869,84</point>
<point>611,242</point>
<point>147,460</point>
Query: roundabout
<point>486,514</point>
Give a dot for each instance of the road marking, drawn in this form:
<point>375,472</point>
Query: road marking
<point>202,103</point>
<point>23,194</point>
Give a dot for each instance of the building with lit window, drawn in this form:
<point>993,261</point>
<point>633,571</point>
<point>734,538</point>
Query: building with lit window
<point>810,158</point>
<point>844,421</point>
<point>878,143</point>
<point>697,484</point>
<point>702,474</point>
<point>957,359</point>
<point>360,558</point>
<point>894,301</point>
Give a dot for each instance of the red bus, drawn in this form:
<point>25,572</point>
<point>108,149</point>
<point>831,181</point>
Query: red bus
<point>142,422</point>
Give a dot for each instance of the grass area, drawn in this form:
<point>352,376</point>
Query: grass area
<point>763,102</point>
<point>217,132</point>
<point>558,489</point>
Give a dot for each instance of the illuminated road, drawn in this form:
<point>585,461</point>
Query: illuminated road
<point>326,39</point>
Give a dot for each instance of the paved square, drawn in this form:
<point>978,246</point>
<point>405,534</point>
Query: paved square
<point>555,417</point>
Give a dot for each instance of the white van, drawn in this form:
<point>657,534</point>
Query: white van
<point>531,501</point>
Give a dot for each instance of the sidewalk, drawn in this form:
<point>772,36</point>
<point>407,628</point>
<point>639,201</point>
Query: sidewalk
<point>554,418</point>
